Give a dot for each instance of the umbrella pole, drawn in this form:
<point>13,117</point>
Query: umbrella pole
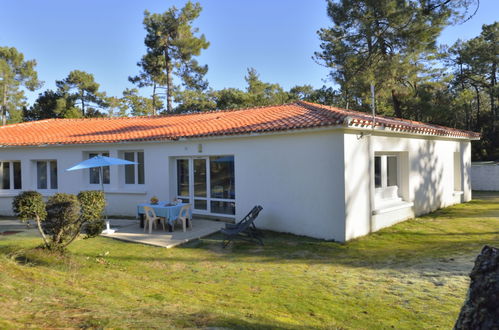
<point>108,229</point>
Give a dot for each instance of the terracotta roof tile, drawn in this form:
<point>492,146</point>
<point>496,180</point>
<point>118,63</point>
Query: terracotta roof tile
<point>297,115</point>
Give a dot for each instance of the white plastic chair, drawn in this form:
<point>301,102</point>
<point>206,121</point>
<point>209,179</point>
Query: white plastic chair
<point>184,217</point>
<point>151,218</point>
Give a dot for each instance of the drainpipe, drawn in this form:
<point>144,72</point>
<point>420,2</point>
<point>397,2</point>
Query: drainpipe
<point>371,162</point>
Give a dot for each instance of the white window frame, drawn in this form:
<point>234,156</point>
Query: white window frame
<point>49,174</point>
<point>457,173</point>
<point>135,167</point>
<point>386,192</point>
<point>208,197</point>
<point>98,153</point>
<point>11,174</point>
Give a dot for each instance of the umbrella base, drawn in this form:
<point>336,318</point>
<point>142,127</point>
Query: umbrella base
<point>108,229</point>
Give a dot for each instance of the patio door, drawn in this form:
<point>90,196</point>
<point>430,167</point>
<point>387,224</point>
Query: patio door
<point>207,183</point>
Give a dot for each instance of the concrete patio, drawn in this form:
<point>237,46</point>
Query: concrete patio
<point>129,230</point>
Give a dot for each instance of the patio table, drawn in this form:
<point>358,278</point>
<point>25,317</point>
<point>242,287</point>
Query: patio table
<point>169,212</point>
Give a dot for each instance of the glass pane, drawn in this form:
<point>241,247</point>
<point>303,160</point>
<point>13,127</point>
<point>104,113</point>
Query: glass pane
<point>41,174</point>
<point>130,169</point>
<point>53,174</point>
<point>377,172</point>
<point>185,200</point>
<point>6,175</point>
<point>106,174</point>
<point>391,169</point>
<point>140,160</point>
<point>200,204</point>
<point>222,177</point>
<point>106,170</point>
<point>17,175</point>
<point>93,172</point>
<point>183,177</point>
<point>94,175</point>
<point>200,178</point>
<point>223,207</point>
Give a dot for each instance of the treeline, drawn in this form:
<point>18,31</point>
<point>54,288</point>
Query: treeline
<point>389,44</point>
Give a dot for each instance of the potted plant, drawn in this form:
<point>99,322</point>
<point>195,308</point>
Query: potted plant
<point>154,200</point>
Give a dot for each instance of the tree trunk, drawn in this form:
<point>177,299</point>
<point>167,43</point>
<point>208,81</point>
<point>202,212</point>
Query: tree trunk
<point>478,106</point>
<point>169,83</point>
<point>396,104</point>
<point>481,308</point>
<point>39,224</point>
<point>492,97</point>
<point>154,99</point>
<point>4,104</point>
<point>83,103</point>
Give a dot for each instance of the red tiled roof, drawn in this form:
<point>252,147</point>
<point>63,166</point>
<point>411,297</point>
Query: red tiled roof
<point>297,115</point>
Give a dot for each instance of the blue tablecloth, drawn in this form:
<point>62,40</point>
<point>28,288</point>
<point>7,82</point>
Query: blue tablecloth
<point>161,210</point>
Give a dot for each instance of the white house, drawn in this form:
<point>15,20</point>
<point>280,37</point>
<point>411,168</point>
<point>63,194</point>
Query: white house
<point>317,171</point>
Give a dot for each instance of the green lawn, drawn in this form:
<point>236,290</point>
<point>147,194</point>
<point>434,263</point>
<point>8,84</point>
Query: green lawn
<point>412,275</point>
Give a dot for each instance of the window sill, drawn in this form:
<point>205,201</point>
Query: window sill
<point>125,191</point>
<point>9,193</point>
<point>47,192</point>
<point>391,205</point>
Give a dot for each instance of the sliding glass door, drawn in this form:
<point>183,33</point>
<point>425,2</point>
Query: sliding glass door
<point>208,183</point>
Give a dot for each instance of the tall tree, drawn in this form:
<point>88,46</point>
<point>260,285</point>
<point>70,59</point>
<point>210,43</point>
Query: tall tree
<point>137,105</point>
<point>262,93</point>
<point>50,104</point>
<point>14,73</point>
<point>151,75</point>
<point>172,43</point>
<point>474,67</point>
<point>383,42</point>
<point>81,86</point>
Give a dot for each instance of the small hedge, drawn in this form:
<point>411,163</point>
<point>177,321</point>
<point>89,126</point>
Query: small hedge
<point>64,216</point>
<point>29,205</point>
<point>92,203</point>
<point>62,224</point>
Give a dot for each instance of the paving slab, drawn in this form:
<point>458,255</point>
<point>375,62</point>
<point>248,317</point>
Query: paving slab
<point>129,230</point>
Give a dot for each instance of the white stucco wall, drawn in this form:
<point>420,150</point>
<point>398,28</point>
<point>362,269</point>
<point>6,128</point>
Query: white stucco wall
<point>485,177</point>
<point>426,176</point>
<point>315,183</point>
<point>297,178</point>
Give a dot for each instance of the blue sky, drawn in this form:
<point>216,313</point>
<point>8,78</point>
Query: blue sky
<point>105,37</point>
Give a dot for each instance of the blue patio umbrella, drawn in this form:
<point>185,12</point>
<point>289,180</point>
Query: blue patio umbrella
<point>100,162</point>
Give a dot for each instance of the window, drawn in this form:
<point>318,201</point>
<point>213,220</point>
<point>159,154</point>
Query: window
<point>46,174</point>
<point>10,175</point>
<point>386,177</point>
<point>208,183</point>
<point>183,177</point>
<point>457,172</point>
<point>134,174</point>
<point>94,173</point>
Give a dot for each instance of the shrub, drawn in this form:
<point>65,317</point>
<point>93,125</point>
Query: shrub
<point>62,224</point>
<point>92,203</point>
<point>29,205</point>
<point>64,216</point>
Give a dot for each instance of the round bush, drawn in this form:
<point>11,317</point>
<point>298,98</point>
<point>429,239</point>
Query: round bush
<point>63,223</point>
<point>29,205</point>
<point>92,203</point>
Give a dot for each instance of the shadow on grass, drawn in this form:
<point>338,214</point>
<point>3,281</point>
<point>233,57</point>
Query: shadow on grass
<point>443,234</point>
<point>34,256</point>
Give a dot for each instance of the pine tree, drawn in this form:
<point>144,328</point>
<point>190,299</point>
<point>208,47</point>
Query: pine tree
<point>14,73</point>
<point>172,43</point>
<point>384,42</point>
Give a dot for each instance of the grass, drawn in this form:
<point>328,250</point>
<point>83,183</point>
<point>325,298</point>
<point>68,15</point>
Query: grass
<point>412,275</point>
